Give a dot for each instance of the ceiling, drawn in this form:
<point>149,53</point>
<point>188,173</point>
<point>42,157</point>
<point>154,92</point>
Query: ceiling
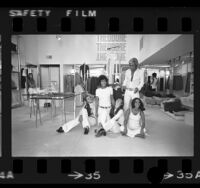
<point>180,46</point>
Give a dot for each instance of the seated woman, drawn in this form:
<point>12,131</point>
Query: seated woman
<point>116,122</point>
<point>86,117</point>
<point>134,123</point>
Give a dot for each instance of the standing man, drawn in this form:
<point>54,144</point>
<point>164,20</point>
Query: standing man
<point>134,81</point>
<point>154,82</point>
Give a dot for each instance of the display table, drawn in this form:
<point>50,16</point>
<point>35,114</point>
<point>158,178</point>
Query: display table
<point>35,98</point>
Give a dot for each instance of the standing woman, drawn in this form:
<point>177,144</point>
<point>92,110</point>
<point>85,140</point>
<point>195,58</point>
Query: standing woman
<point>104,100</point>
<point>134,124</point>
<point>30,82</point>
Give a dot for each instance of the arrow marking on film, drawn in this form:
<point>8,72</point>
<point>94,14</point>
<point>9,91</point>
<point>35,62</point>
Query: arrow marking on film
<point>168,175</point>
<point>76,175</point>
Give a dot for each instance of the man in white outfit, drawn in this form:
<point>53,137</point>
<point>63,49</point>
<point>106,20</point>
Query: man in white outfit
<point>134,81</point>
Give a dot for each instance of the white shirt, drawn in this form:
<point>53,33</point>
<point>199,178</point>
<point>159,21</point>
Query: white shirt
<point>138,79</point>
<point>154,84</point>
<point>104,96</point>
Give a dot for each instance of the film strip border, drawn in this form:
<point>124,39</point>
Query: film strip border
<point>101,170</point>
<point>124,23</point>
<point>110,169</point>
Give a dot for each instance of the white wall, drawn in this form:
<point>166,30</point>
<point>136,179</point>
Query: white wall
<point>28,47</point>
<point>153,43</point>
<point>71,49</point>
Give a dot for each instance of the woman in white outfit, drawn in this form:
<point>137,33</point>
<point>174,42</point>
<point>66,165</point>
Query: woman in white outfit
<point>116,122</point>
<point>134,124</point>
<point>86,117</point>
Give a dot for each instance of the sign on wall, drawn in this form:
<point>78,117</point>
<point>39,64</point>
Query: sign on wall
<point>111,46</point>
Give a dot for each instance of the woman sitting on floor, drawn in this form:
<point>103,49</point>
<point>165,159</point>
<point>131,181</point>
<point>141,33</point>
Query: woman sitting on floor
<point>134,123</point>
<point>116,120</point>
<point>86,117</point>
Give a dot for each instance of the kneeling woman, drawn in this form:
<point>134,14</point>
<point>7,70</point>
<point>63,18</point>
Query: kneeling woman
<point>134,124</point>
<point>86,117</point>
<point>116,121</point>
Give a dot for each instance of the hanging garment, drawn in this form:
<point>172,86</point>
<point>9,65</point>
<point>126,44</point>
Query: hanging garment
<point>161,84</point>
<point>68,83</point>
<point>78,92</point>
<point>167,83</point>
<point>178,82</point>
<point>84,69</point>
<point>79,80</point>
<point>187,86</point>
<point>123,76</point>
<point>23,79</point>
<point>88,84</point>
<point>93,85</point>
<point>117,93</point>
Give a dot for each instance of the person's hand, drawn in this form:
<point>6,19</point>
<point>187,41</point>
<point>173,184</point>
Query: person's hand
<point>136,90</point>
<point>124,132</point>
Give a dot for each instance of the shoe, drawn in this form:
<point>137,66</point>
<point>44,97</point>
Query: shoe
<point>101,132</point>
<point>86,130</point>
<point>60,130</point>
<point>140,135</point>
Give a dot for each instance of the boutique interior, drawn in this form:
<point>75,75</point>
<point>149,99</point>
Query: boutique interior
<point>56,63</point>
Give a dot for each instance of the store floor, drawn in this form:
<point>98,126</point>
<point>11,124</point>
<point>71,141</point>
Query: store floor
<point>167,137</point>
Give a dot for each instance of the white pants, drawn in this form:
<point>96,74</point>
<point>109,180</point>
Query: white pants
<point>129,95</point>
<point>86,122</point>
<point>103,115</point>
<point>112,125</point>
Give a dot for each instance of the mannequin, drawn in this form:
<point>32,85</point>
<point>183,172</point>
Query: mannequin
<point>84,71</point>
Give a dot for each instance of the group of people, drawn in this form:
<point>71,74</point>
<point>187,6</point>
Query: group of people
<point>122,114</point>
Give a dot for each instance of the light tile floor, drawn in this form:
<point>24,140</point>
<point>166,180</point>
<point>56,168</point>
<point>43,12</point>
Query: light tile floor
<point>167,137</point>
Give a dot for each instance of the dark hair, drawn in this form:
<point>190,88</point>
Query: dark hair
<point>102,77</point>
<point>30,74</point>
<point>141,107</point>
<point>113,112</point>
<point>87,106</point>
<point>154,74</point>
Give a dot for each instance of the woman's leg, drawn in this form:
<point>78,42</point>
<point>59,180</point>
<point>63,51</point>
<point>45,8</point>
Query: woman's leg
<point>85,122</point>
<point>127,99</point>
<point>102,116</point>
<point>70,125</point>
<point>112,126</point>
<point>108,125</point>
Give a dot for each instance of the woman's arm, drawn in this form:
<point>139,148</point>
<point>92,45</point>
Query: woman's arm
<point>142,120</point>
<point>96,106</point>
<point>118,115</point>
<point>112,100</point>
